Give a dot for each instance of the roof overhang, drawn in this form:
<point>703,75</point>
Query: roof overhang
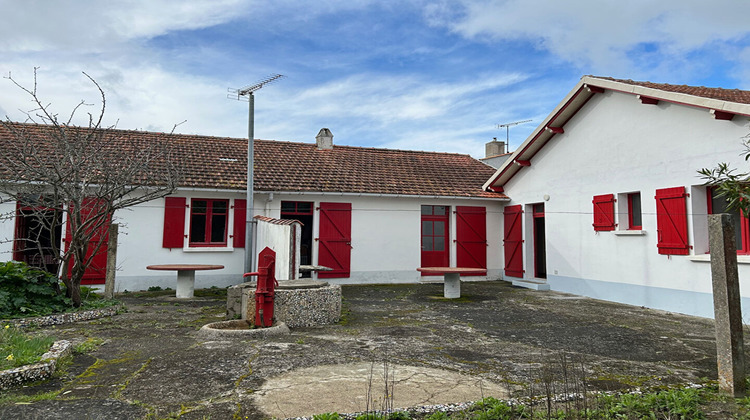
<point>577,98</point>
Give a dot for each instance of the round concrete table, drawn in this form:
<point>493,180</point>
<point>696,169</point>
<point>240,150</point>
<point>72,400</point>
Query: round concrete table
<point>452,278</point>
<point>185,275</point>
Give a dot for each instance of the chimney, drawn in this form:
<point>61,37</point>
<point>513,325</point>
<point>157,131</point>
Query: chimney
<point>493,148</point>
<point>324,139</point>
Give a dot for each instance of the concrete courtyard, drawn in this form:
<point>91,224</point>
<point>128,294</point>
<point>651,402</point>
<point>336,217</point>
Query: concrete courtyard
<point>496,340</point>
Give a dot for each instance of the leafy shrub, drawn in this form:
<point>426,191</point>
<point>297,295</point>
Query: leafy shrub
<point>27,291</point>
<point>399,415</point>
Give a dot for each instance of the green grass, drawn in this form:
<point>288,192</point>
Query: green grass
<point>19,349</point>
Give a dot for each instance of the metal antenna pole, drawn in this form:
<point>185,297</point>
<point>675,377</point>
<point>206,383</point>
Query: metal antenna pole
<point>246,93</point>
<point>507,131</point>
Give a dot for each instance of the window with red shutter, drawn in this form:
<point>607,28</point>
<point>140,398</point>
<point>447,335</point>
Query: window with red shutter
<point>174,222</point>
<point>604,212</point>
<point>671,221</point>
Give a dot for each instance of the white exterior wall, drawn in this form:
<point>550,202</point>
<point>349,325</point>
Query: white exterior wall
<point>385,239</point>
<point>280,239</point>
<point>7,229</point>
<point>616,145</point>
<point>386,234</point>
<point>140,244</point>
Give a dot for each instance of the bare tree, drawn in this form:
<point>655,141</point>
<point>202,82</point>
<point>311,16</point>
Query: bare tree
<point>77,177</point>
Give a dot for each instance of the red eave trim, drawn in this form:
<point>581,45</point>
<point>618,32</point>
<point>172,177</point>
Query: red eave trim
<point>647,100</point>
<point>722,115</point>
<point>523,162</point>
<point>553,129</point>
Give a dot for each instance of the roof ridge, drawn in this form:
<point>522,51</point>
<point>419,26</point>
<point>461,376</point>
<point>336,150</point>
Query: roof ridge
<point>157,133</point>
<point>646,82</point>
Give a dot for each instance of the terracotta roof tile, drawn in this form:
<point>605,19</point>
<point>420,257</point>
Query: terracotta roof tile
<point>220,162</point>
<point>731,95</point>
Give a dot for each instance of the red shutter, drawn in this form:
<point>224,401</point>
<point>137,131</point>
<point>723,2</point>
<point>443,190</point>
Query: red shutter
<point>604,212</point>
<point>96,253</point>
<point>334,245</point>
<point>174,222</point>
<point>512,241</point>
<point>471,237</point>
<point>671,221</point>
<point>240,213</point>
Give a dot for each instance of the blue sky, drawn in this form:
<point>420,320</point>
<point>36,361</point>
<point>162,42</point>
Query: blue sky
<point>416,75</point>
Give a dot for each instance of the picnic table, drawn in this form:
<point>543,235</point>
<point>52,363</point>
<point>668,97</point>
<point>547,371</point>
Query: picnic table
<point>452,278</point>
<point>185,276</point>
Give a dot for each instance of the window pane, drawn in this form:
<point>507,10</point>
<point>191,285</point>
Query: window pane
<point>304,207</point>
<point>199,206</point>
<point>218,225</point>
<point>718,206</point>
<point>426,228</point>
<point>427,210</point>
<point>439,228</point>
<point>439,244</point>
<point>219,207</point>
<point>198,228</point>
<point>427,243</point>
<point>539,208</point>
<point>439,210</point>
<point>288,206</point>
<point>635,210</point>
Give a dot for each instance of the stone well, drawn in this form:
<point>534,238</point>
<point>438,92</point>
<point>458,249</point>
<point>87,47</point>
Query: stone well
<point>297,303</point>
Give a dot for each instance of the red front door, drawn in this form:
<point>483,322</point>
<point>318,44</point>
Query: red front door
<point>513,241</point>
<point>471,237</point>
<point>435,237</point>
<point>97,269</point>
<point>335,242</point>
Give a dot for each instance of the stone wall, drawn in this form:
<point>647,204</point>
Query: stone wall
<point>302,307</point>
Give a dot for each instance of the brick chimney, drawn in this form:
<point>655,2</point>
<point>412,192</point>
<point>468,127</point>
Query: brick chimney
<point>324,139</point>
<point>493,148</point>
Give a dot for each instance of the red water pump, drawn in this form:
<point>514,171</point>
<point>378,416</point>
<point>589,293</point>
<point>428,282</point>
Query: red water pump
<point>265,290</point>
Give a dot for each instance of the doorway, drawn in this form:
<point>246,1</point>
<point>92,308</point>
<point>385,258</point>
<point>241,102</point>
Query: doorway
<point>540,256</point>
<point>434,237</point>
<point>37,235</point>
<point>303,212</point>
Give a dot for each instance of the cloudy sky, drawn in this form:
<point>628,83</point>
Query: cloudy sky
<point>420,75</point>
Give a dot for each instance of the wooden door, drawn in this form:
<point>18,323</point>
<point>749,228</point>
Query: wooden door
<point>335,239</point>
<point>471,237</point>
<point>513,241</point>
<point>434,237</point>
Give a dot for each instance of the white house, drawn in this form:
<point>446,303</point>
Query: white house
<point>606,200</point>
<point>373,215</point>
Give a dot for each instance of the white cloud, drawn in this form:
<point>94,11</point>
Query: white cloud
<point>600,35</point>
<point>93,25</point>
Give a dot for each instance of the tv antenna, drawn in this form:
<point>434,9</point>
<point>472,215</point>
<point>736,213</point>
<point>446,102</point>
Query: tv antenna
<point>507,131</point>
<point>246,94</point>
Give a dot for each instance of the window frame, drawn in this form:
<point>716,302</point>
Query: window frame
<point>743,248</point>
<point>208,223</point>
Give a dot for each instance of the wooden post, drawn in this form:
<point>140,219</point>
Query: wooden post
<point>109,277</point>
<point>727,309</point>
